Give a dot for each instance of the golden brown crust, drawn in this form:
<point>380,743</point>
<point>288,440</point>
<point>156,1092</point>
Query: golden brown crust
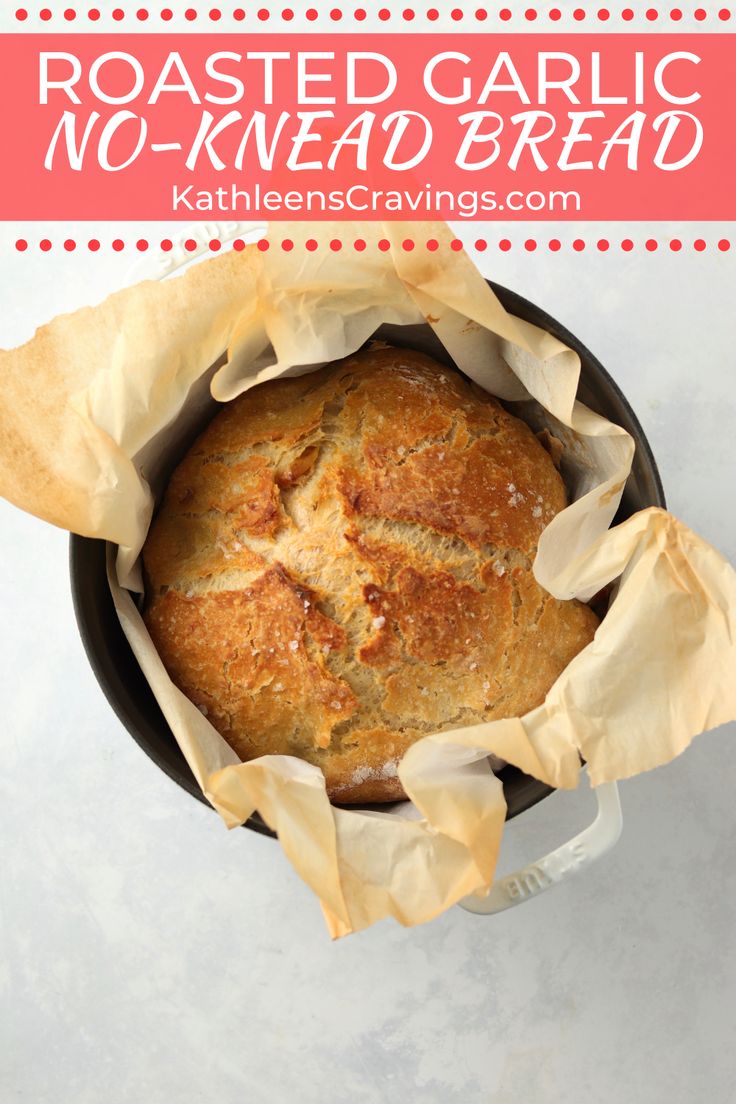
<point>342,564</point>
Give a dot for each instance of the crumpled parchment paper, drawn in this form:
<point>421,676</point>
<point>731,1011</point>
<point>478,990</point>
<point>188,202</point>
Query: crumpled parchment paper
<point>95,404</point>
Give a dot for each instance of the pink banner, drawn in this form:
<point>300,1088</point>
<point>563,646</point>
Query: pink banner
<point>526,126</point>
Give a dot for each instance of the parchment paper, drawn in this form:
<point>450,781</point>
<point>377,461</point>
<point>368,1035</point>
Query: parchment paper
<point>95,406</point>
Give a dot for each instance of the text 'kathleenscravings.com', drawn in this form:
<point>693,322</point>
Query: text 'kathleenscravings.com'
<point>366,202</point>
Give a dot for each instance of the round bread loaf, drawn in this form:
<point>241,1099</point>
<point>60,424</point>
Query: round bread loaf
<point>342,563</point>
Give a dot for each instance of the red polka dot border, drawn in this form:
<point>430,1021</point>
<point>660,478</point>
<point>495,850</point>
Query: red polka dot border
<point>385,15</point>
<point>481,245</point>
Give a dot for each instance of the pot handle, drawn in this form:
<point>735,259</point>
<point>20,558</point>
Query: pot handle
<point>572,856</point>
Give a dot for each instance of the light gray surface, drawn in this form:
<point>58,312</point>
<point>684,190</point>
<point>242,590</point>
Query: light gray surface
<point>150,955</point>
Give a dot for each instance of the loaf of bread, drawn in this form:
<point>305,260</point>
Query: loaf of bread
<point>342,563</point>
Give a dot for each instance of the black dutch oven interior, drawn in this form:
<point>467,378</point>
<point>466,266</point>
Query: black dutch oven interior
<point>122,680</point>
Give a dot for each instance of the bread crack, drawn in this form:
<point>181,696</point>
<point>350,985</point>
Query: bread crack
<point>388,539</point>
<point>447,439</point>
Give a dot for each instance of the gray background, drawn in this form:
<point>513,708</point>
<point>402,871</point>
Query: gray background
<point>148,955</point>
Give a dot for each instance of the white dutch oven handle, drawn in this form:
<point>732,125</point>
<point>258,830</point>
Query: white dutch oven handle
<point>578,853</point>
